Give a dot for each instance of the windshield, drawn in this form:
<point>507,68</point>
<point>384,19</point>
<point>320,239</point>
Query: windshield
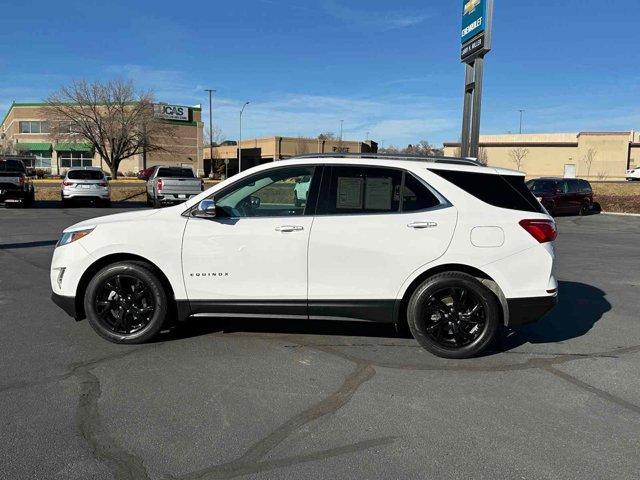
<point>11,166</point>
<point>175,173</point>
<point>85,175</point>
<point>541,186</point>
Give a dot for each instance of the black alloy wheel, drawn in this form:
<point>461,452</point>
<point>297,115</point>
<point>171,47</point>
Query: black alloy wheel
<point>126,303</point>
<point>453,315</point>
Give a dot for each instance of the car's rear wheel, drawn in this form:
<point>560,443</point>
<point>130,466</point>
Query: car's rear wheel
<point>453,315</point>
<point>126,303</point>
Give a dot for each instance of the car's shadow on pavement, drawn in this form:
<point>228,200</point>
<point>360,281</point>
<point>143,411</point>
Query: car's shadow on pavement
<point>86,204</point>
<point>579,307</point>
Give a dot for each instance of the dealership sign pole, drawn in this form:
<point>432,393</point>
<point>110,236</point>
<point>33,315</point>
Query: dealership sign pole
<point>476,43</point>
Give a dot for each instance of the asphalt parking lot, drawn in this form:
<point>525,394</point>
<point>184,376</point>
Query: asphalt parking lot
<point>275,399</point>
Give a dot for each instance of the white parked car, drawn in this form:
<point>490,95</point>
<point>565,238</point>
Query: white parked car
<point>450,247</point>
<point>85,183</point>
<point>633,174</point>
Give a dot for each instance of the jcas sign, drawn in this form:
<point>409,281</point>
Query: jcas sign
<point>473,18</point>
<point>172,112</point>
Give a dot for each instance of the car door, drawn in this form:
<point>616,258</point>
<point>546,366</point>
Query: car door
<point>572,195</point>
<point>252,257</point>
<point>373,228</point>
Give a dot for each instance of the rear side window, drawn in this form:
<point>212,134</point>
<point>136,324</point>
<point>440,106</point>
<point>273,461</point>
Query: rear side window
<point>360,190</point>
<point>85,175</point>
<point>504,191</point>
<point>175,173</point>
<point>585,187</point>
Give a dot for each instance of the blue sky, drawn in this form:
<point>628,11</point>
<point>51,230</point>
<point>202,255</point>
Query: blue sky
<point>388,68</point>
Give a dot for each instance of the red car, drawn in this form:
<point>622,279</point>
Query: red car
<point>563,195</point>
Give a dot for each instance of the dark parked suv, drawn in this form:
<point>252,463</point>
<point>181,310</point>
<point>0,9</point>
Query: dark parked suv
<point>563,195</point>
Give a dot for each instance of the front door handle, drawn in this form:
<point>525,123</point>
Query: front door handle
<point>289,228</point>
<point>420,225</point>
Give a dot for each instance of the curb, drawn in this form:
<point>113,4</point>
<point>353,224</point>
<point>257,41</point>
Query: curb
<point>622,214</point>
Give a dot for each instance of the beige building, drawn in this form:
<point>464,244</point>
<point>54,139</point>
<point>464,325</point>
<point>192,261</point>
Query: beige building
<point>589,155</point>
<point>24,131</point>
<point>262,150</point>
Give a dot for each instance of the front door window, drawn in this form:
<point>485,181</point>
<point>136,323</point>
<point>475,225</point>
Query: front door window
<point>280,192</point>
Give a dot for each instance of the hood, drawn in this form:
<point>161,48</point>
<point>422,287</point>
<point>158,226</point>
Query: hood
<point>116,218</point>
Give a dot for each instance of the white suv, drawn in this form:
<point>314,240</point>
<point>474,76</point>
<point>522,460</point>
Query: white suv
<point>633,174</point>
<point>449,247</point>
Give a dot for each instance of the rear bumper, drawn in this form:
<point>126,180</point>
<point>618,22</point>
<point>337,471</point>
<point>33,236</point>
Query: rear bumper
<point>529,310</point>
<point>68,304</point>
<point>176,197</point>
<point>11,194</point>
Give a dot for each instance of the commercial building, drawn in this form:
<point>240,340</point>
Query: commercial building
<point>257,151</point>
<point>589,155</point>
<point>25,131</point>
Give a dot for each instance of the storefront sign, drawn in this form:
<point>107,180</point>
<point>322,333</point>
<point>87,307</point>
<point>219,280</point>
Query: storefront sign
<point>172,112</point>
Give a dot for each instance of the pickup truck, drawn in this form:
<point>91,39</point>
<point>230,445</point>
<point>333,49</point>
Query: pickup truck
<point>170,185</point>
<point>16,186</point>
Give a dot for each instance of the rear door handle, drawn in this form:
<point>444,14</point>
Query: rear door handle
<point>420,225</point>
<point>289,228</point>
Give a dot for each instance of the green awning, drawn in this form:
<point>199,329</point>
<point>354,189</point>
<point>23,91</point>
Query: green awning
<point>34,147</point>
<point>73,147</point>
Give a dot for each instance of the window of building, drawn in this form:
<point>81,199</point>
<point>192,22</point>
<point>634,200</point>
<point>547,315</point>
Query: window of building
<point>360,190</point>
<point>34,127</point>
<point>75,159</point>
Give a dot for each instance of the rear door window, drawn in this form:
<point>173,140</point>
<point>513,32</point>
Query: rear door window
<point>572,186</point>
<point>353,190</point>
<point>504,191</point>
<point>416,196</point>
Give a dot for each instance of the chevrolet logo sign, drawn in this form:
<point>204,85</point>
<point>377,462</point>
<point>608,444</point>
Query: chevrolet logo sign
<point>470,6</point>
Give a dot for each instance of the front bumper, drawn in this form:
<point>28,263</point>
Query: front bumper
<point>530,309</point>
<point>68,304</point>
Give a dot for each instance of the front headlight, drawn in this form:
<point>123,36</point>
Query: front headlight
<point>69,237</point>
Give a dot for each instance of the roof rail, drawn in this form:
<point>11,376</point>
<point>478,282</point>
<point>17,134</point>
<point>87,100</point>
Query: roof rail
<point>395,156</point>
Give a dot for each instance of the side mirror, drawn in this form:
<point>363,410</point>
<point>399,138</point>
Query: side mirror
<point>205,209</point>
<point>254,202</point>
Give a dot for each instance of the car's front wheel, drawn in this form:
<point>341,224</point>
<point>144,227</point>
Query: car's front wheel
<point>453,315</point>
<point>126,303</point>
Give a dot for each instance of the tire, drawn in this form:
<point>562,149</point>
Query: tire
<point>584,209</point>
<point>459,326</point>
<point>149,201</point>
<point>106,203</point>
<point>126,303</point>
<point>157,203</point>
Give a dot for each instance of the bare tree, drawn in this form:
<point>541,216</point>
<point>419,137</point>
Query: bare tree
<point>483,156</point>
<point>217,135</point>
<point>117,121</point>
<point>301,146</point>
<point>518,156</point>
<point>422,148</point>
<point>327,136</point>
<point>588,159</point>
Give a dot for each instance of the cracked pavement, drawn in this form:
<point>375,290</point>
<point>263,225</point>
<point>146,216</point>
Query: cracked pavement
<point>277,399</point>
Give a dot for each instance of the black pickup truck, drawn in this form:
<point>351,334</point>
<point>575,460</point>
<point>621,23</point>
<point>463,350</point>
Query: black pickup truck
<point>16,186</point>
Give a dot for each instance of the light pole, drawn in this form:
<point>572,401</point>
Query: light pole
<point>211,92</point>
<point>240,140</point>
<point>341,122</point>
<point>521,112</point>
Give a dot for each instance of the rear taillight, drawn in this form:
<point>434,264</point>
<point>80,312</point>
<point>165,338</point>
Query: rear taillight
<point>103,184</point>
<point>159,184</point>
<point>67,184</point>
<point>542,230</point>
